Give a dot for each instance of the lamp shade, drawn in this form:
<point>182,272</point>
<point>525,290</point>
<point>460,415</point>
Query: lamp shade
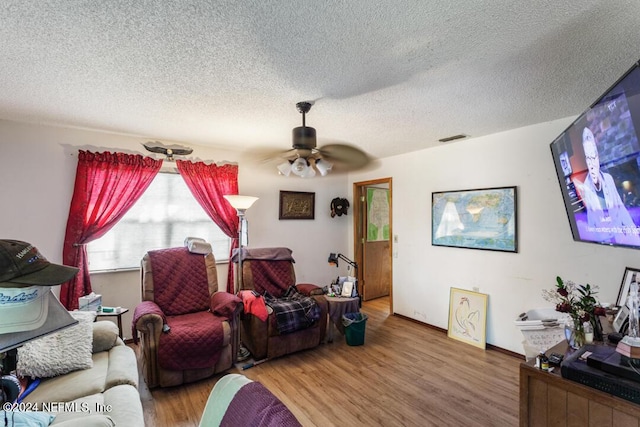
<point>300,166</point>
<point>240,202</point>
<point>285,168</point>
<point>309,173</point>
<point>323,166</point>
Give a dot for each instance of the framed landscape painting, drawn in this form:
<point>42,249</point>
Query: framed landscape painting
<point>468,317</point>
<point>475,219</point>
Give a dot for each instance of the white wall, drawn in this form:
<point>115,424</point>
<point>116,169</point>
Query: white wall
<point>38,174</point>
<point>423,274</point>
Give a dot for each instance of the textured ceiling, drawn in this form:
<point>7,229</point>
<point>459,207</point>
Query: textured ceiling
<point>387,76</point>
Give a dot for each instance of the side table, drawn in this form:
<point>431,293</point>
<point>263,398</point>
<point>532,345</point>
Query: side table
<point>337,307</point>
<point>101,313</point>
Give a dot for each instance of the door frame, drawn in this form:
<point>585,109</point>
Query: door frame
<point>359,196</point>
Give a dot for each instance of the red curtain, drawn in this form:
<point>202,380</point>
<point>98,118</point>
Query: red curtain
<point>107,185</point>
<point>208,184</point>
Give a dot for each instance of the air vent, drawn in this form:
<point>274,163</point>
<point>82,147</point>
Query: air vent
<point>452,138</point>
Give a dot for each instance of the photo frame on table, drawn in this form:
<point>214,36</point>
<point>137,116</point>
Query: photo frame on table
<point>347,289</point>
<point>475,219</point>
<point>297,205</point>
<point>630,274</point>
<point>468,317</point>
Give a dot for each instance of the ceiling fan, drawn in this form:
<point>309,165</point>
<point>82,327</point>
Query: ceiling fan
<point>167,150</point>
<point>305,157</point>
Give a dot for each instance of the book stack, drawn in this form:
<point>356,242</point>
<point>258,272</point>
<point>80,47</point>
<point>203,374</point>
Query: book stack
<point>628,349</point>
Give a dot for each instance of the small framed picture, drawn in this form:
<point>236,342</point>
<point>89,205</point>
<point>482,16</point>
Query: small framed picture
<point>297,205</point>
<point>630,275</point>
<point>347,289</point>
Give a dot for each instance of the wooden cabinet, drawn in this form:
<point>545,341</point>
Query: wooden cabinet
<point>547,399</point>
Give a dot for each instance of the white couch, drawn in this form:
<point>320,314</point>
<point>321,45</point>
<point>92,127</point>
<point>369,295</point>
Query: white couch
<point>103,395</point>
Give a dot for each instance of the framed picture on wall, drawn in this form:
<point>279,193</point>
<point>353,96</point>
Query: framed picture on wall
<point>297,205</point>
<point>475,219</point>
<point>630,275</point>
<point>468,317</point>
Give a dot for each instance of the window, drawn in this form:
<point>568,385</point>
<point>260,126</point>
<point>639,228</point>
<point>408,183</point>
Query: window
<point>163,217</point>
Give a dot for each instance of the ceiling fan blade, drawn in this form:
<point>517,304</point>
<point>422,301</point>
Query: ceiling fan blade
<point>270,156</point>
<point>345,156</point>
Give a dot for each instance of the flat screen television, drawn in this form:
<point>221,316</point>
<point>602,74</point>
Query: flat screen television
<point>597,160</point>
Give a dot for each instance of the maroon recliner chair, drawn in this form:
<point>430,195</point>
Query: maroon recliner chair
<point>188,329</point>
<point>272,270</point>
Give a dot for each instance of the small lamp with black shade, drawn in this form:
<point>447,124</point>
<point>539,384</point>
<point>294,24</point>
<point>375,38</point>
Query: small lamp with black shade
<point>28,308</point>
<point>240,204</point>
<point>334,259</point>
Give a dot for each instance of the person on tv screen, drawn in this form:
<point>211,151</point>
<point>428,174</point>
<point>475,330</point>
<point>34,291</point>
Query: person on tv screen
<point>606,214</point>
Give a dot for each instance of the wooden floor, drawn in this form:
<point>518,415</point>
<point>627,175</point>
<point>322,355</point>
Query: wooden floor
<point>405,374</point>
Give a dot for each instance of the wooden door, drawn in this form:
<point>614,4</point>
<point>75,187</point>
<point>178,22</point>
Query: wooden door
<point>373,237</point>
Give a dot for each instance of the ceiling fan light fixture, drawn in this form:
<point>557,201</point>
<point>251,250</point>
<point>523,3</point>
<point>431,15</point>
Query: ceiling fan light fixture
<point>323,166</point>
<point>284,168</point>
<point>306,160</point>
<point>309,173</point>
<point>300,167</point>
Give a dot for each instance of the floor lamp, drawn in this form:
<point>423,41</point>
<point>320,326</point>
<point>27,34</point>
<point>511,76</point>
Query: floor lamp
<point>240,204</point>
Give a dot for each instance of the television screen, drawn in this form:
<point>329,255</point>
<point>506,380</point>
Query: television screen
<point>597,160</point>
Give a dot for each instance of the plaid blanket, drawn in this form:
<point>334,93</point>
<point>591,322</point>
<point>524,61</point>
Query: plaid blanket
<point>294,311</point>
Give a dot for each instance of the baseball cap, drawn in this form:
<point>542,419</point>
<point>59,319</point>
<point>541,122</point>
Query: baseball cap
<point>22,265</point>
<point>23,309</point>
<point>53,318</point>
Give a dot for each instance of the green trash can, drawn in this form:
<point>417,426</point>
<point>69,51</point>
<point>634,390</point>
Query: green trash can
<point>354,327</point>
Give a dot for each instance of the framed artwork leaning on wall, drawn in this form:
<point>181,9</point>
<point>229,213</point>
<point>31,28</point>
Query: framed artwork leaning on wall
<point>468,317</point>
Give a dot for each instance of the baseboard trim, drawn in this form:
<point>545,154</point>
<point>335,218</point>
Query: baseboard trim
<point>444,331</point>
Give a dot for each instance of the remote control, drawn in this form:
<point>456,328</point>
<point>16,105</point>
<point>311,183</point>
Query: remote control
<point>555,358</point>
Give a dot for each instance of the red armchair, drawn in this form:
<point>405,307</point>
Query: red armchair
<point>188,330</point>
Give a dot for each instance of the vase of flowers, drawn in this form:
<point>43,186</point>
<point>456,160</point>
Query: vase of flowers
<point>579,302</point>
<point>574,333</point>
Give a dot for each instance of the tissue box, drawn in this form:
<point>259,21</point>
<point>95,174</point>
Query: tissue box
<point>90,302</point>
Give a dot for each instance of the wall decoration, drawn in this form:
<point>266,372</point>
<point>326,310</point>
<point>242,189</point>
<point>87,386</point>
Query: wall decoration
<point>475,219</point>
<point>297,205</point>
<point>339,206</point>
<point>468,317</point>
<point>377,214</point>
<point>630,275</point>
